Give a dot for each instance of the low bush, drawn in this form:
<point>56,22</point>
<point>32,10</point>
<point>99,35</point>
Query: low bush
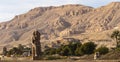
<point>88,48</point>
<point>102,50</point>
<point>54,57</point>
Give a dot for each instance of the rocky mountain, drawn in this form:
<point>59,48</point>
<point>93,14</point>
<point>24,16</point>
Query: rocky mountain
<point>76,21</point>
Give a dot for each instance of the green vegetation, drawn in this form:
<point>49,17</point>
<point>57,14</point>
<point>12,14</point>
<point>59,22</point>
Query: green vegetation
<point>88,48</point>
<point>50,51</point>
<point>18,50</point>
<point>102,50</point>
<point>116,36</point>
<point>78,49</point>
<point>78,52</point>
<point>50,57</point>
<point>66,51</point>
<point>72,49</point>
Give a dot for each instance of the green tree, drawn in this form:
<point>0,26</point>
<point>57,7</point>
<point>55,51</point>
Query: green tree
<point>73,46</point>
<point>46,52</point>
<point>12,51</point>
<point>58,50</point>
<point>116,35</point>
<point>102,50</point>
<point>88,48</point>
<point>78,52</point>
<point>16,50</point>
<point>50,51</point>
<point>66,51</point>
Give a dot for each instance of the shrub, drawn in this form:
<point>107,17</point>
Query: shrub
<point>116,36</point>
<point>50,51</point>
<point>18,50</point>
<point>102,50</point>
<point>78,52</point>
<point>88,48</point>
<point>74,46</point>
<point>66,51</point>
<point>58,50</point>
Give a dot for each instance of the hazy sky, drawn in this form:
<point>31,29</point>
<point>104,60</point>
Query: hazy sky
<point>10,8</point>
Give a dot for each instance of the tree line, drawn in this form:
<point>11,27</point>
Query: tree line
<point>76,49</point>
<point>72,49</point>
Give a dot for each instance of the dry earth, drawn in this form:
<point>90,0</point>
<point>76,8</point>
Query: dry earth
<point>28,59</point>
<point>68,61</point>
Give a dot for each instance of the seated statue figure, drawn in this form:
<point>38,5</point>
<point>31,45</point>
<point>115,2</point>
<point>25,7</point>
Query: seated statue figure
<point>36,46</point>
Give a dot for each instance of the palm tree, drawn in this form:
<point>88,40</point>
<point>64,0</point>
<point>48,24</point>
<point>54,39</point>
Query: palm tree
<point>116,35</point>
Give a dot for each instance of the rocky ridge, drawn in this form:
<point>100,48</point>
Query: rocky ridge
<point>76,21</point>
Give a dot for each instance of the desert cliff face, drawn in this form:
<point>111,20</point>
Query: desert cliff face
<point>77,21</point>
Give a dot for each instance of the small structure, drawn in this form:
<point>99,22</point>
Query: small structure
<point>96,55</point>
<point>36,46</point>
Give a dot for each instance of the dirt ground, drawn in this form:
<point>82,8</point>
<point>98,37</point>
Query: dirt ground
<point>28,59</point>
<point>63,61</point>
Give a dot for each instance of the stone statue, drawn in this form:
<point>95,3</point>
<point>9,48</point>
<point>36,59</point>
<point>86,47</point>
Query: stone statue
<point>36,46</point>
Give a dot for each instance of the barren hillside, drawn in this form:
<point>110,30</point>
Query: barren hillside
<point>77,21</point>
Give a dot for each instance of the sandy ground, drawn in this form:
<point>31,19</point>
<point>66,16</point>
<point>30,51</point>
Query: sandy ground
<point>10,59</point>
<point>66,61</point>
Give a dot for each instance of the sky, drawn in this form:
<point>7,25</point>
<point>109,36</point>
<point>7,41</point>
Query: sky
<point>11,8</point>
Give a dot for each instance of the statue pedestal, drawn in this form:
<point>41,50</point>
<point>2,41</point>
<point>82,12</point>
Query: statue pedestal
<point>36,58</point>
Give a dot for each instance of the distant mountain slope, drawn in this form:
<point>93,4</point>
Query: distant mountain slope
<point>64,21</point>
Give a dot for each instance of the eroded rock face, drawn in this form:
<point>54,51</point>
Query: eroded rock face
<point>36,46</point>
<point>62,21</point>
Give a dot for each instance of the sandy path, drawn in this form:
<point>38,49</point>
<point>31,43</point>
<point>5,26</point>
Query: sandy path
<point>9,59</point>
